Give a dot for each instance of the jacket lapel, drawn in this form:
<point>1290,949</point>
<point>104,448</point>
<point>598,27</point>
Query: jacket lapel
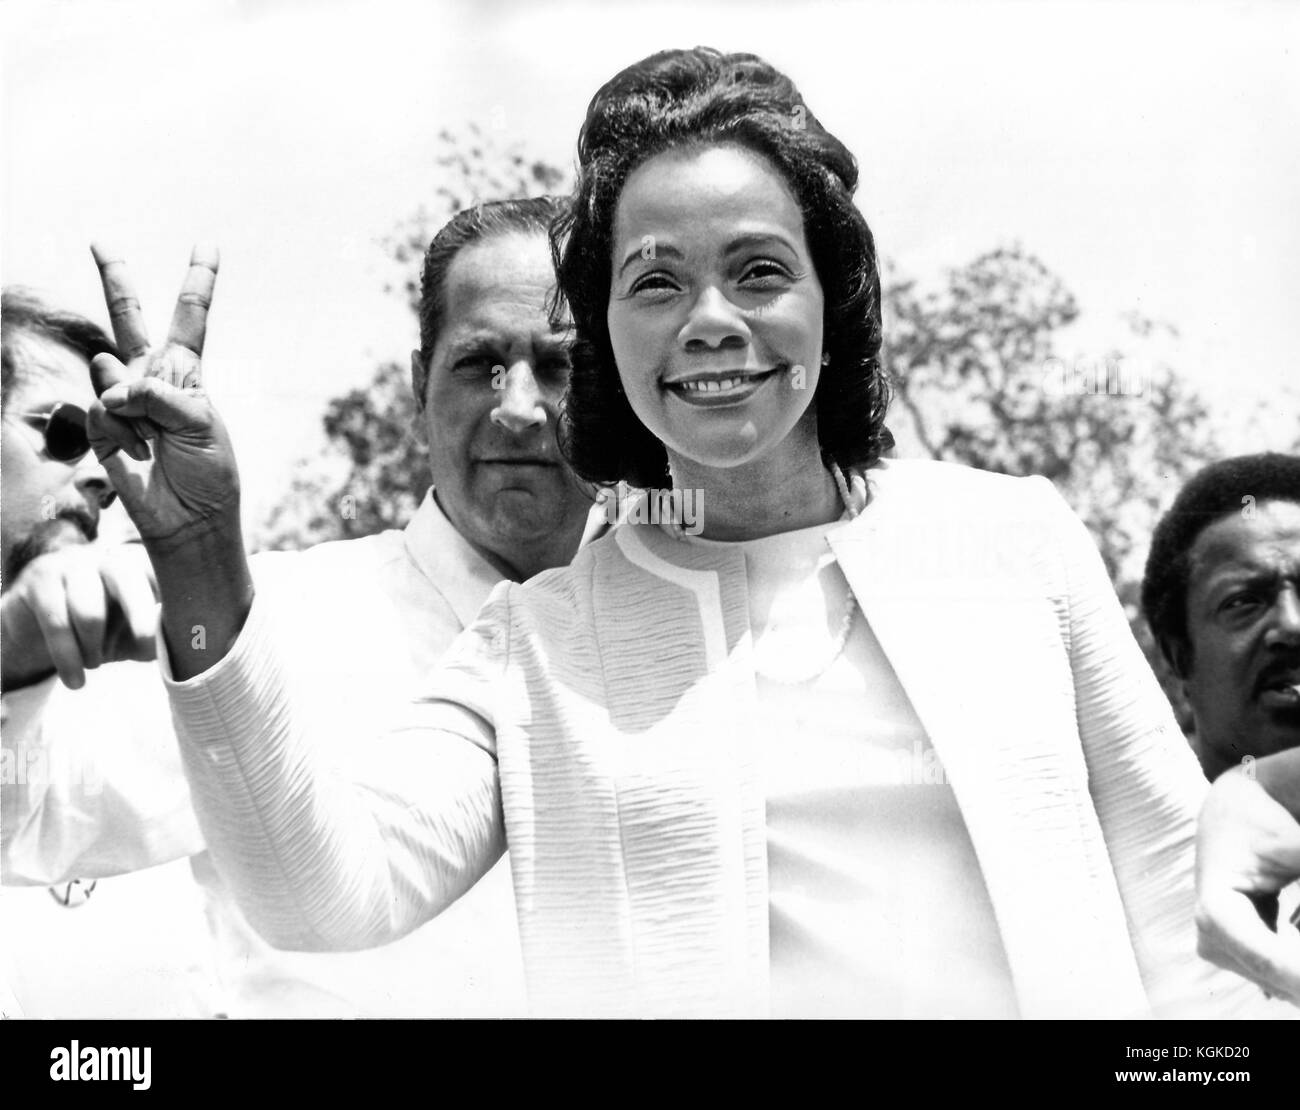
<point>966,624</point>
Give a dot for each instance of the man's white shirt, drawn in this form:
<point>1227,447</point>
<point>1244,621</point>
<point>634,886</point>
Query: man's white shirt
<point>361,622</point>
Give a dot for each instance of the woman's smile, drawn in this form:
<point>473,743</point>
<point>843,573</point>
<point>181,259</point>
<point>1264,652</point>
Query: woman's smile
<point>728,388</point>
<point>716,309</point>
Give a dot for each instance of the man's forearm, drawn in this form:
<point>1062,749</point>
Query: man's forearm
<point>206,590</point>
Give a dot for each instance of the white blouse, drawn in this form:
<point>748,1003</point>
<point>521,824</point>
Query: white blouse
<point>877,904</point>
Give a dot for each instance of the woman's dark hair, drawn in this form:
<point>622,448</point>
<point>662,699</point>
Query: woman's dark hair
<point>684,98</point>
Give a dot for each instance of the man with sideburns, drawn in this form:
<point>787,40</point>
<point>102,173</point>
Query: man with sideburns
<point>1221,593</point>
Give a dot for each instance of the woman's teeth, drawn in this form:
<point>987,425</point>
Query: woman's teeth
<point>720,385</point>
<point>715,385</point>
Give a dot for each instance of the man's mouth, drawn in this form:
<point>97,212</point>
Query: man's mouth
<point>719,388</point>
<point>69,527</point>
<point>1281,690</point>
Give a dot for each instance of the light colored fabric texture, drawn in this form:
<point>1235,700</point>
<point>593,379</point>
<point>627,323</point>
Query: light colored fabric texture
<point>357,623</point>
<point>618,697</point>
<point>878,906</point>
<point>93,784</point>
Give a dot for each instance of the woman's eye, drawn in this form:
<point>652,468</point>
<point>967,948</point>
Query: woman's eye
<point>653,283</point>
<point>766,275</point>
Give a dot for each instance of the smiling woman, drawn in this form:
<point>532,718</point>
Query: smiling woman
<point>876,742</point>
<point>718,341</point>
<point>732,189</point>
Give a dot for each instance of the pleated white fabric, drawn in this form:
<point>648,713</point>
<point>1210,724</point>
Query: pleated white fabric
<point>597,718</point>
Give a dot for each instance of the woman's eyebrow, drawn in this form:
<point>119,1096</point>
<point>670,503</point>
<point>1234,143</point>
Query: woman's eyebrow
<point>659,250</point>
<point>759,239</point>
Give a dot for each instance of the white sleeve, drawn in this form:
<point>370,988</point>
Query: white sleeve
<point>1147,789</point>
<point>322,857</point>
<point>91,782</point>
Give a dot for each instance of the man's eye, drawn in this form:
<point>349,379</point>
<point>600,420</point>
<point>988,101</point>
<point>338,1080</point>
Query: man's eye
<point>1239,601</point>
<point>479,363</point>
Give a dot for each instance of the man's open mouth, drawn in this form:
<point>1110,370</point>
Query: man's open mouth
<point>1281,690</point>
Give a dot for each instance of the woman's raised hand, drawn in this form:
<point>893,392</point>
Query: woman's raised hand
<point>169,457</point>
<point>154,429</point>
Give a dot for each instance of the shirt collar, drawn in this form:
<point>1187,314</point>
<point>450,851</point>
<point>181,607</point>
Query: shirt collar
<point>450,563</point>
<point>446,559</point>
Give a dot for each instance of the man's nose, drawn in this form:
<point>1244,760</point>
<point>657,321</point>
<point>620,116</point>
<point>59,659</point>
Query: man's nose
<point>1285,626</point>
<point>91,480</point>
<point>519,406</point>
<point>714,321</point>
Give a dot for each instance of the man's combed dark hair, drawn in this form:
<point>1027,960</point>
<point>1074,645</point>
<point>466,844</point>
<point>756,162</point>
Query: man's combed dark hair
<point>497,217</point>
<point>1220,489</point>
<point>685,98</point>
<point>22,312</point>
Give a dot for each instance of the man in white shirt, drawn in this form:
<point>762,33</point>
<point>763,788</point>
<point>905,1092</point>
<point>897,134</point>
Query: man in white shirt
<point>363,619</point>
<point>1221,593</point>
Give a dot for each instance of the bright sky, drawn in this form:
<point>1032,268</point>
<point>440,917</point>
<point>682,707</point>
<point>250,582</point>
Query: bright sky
<point>1148,152</point>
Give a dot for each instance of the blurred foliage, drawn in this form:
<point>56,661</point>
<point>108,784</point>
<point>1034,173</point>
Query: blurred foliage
<point>979,374</point>
<point>371,476</point>
<point>980,379</point>
<point>472,166</point>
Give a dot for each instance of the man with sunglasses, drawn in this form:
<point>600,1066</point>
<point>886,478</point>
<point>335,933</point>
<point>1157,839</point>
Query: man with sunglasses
<point>71,727</point>
<point>53,493</point>
<point>363,618</point>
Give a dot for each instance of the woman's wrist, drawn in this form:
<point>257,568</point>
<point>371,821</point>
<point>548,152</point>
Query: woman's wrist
<point>206,589</point>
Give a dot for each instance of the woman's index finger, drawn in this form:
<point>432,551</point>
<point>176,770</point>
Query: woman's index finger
<point>190,320</point>
<point>123,305</point>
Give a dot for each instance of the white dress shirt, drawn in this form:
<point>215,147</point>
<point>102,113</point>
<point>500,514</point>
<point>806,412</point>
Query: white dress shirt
<point>360,622</point>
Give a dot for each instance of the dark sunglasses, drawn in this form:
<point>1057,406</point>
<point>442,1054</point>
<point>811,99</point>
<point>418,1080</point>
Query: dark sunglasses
<point>64,428</point>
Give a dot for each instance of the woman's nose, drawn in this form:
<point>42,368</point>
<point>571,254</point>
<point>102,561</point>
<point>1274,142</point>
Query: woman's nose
<point>714,322</point>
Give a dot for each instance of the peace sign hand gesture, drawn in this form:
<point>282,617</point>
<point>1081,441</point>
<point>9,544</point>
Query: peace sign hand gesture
<point>170,460</point>
<point>154,429</point>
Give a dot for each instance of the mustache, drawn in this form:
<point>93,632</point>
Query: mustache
<point>1286,668</point>
<point>43,536</point>
<point>79,515</point>
<point>541,445</point>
